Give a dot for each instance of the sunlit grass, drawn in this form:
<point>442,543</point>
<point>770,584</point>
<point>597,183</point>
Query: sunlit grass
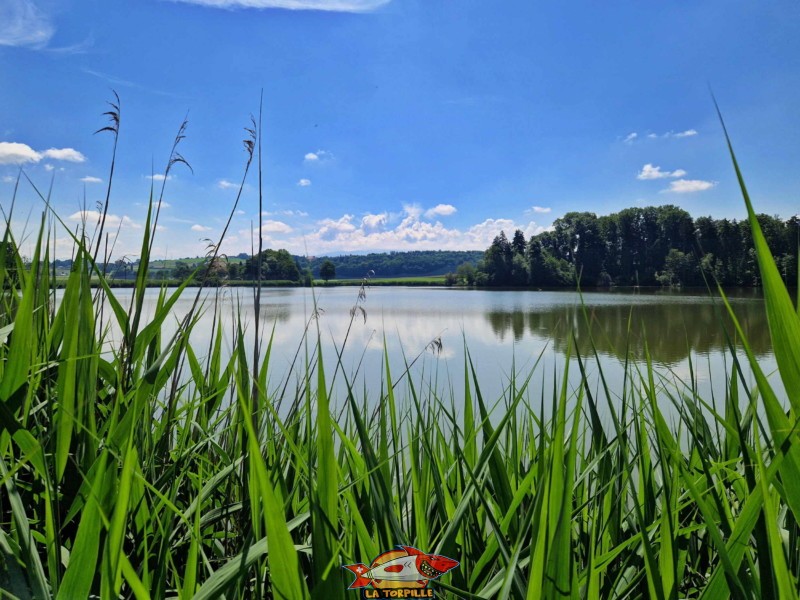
<point>121,479</point>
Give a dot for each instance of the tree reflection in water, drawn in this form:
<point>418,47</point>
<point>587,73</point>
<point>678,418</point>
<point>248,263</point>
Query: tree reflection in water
<point>672,329</point>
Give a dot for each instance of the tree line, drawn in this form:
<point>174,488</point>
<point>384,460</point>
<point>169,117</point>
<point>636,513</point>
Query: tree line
<point>280,265</point>
<point>655,245</point>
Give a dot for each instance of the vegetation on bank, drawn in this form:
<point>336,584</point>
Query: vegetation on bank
<point>152,468</point>
<point>656,245</point>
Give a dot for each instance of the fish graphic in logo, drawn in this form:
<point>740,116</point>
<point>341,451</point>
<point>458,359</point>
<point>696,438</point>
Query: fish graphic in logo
<point>404,568</point>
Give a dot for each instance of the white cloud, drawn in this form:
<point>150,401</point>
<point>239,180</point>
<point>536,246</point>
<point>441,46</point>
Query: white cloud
<point>542,210</point>
<point>399,231</point>
<point>650,172</point>
<point>13,153</point>
<point>93,217</point>
<point>330,229</point>
<point>413,211</point>
<point>629,139</point>
<point>672,134</point>
<point>318,156</point>
<point>90,179</point>
<point>686,186</point>
<point>159,177</point>
<point>197,227</point>
<point>440,210</point>
<point>285,213</point>
<point>8,179</point>
<point>68,154</point>
<point>304,182</point>
<point>270,226</point>
<point>370,221</point>
<point>324,5</point>
<point>224,184</point>
<point>23,24</point>
<point>49,167</point>
<point>240,212</point>
<point>165,204</point>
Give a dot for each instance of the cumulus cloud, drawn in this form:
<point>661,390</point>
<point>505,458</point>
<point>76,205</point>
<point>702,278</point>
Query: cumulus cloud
<point>48,167</point>
<point>240,212</point>
<point>90,179</point>
<point>8,179</point>
<point>370,221</point>
<point>330,228</point>
<point>542,210</point>
<point>407,230</point>
<point>270,226</point>
<point>631,137</point>
<point>324,5</point>
<point>318,156</point>
<point>687,133</point>
<point>159,177</point>
<point>686,186</point>
<point>197,227</point>
<point>14,153</point>
<point>23,24</point>
<point>440,210</point>
<point>68,154</point>
<point>224,184</point>
<point>304,182</point>
<point>650,172</point>
<point>93,217</point>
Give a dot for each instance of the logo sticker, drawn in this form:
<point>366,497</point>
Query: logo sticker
<point>401,573</point>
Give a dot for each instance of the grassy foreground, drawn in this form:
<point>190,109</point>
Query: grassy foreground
<point>120,479</point>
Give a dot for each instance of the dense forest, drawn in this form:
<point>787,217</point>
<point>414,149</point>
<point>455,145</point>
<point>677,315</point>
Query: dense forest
<point>395,264</point>
<point>279,265</point>
<point>656,245</point>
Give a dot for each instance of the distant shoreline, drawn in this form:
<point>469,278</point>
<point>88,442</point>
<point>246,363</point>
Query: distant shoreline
<point>433,281</point>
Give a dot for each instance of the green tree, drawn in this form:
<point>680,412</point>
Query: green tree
<point>181,271</point>
<point>518,242</point>
<point>276,265</point>
<point>679,269</point>
<point>466,272</point>
<point>580,243</point>
<point>327,271</point>
<point>497,261</point>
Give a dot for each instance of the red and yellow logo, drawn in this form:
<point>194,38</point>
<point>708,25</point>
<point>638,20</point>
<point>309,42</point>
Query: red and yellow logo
<point>401,573</point>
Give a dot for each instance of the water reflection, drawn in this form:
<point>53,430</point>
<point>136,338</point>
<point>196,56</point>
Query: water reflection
<point>671,329</point>
<point>502,330</point>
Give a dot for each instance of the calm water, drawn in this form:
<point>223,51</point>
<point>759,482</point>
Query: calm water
<point>503,331</point>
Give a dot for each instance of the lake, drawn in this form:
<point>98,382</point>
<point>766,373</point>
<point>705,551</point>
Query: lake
<point>504,332</point>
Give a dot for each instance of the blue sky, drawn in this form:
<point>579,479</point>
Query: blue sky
<point>396,124</point>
